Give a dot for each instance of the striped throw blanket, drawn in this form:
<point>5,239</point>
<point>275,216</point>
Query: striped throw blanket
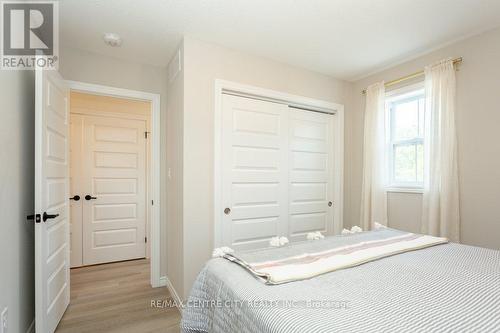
<point>300,266</point>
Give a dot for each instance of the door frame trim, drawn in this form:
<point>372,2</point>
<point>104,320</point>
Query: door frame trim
<point>296,101</point>
<point>155,162</point>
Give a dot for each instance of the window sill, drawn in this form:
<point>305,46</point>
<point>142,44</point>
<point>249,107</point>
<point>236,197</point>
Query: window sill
<point>404,190</point>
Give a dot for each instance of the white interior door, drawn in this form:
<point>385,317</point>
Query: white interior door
<point>113,189</point>
<point>255,171</point>
<point>51,197</point>
<point>75,190</point>
<point>311,173</point>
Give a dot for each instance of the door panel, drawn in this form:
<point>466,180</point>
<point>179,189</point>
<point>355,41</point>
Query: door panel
<point>117,186</point>
<point>114,159</point>
<point>254,175</point>
<point>311,173</point>
<point>76,134</point>
<point>51,196</point>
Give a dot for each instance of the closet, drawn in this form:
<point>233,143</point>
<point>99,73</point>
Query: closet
<point>277,172</point>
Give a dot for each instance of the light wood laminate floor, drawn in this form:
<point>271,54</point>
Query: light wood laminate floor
<point>117,298</point>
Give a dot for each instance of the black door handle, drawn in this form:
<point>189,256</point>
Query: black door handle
<point>46,216</point>
<point>76,198</point>
<point>35,217</point>
<point>89,197</point>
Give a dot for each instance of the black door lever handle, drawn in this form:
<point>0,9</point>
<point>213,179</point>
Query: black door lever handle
<point>89,197</point>
<point>46,216</point>
<point>76,198</point>
<point>35,217</point>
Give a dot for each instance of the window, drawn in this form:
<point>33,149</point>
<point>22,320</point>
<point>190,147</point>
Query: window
<point>405,149</point>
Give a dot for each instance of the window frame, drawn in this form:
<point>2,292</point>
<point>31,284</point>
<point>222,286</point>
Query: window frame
<point>404,94</point>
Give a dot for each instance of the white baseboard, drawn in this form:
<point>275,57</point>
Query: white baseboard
<point>173,292</point>
<point>163,281</point>
<point>31,329</point>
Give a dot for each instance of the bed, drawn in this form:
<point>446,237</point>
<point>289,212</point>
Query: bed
<point>441,288</point>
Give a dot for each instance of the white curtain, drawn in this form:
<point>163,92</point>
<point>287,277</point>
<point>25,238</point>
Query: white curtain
<point>373,195</point>
<point>440,209</point>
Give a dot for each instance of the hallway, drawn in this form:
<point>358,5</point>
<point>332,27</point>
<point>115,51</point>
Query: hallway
<point>117,298</point>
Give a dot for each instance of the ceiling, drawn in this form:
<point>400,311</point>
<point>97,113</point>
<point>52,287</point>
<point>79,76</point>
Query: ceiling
<point>346,39</point>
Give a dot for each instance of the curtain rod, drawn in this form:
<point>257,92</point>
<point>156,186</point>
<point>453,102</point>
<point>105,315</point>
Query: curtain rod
<point>412,76</point>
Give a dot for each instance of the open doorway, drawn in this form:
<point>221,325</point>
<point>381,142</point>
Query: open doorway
<point>52,184</point>
<point>112,209</point>
<point>109,172</point>
<point>114,176</point>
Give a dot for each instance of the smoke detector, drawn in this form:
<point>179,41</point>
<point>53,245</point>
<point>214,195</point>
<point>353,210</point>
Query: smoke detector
<point>112,39</point>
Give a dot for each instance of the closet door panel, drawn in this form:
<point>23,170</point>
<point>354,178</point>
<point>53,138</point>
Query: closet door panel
<point>310,173</point>
<point>311,221</point>
<point>254,172</point>
<point>277,171</point>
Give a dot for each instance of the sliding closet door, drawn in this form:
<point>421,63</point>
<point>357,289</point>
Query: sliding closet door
<point>254,172</point>
<point>311,173</point>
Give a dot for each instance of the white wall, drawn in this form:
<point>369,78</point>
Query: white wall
<point>203,63</point>
<point>175,142</point>
<point>79,65</point>
<point>17,276</point>
<point>478,120</point>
